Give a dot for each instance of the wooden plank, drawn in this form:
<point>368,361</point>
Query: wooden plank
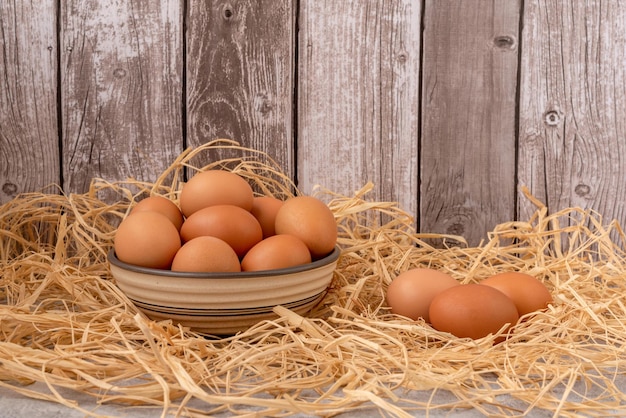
<point>572,106</point>
<point>29,154</point>
<point>240,76</point>
<point>358,98</point>
<point>121,89</point>
<point>468,122</point>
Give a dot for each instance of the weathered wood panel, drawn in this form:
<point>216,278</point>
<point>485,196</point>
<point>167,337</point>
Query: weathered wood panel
<point>240,75</point>
<point>339,93</point>
<point>121,70</point>
<point>468,116</point>
<point>358,97</point>
<point>573,106</point>
<point>29,153</point>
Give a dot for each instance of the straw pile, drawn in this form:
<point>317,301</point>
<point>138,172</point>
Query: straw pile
<point>65,324</point>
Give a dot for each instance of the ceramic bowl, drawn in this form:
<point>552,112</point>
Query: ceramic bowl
<point>223,303</point>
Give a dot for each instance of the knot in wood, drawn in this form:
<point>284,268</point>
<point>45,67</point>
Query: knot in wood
<point>457,228</point>
<point>582,190</point>
<point>263,104</point>
<point>9,189</point>
<point>119,73</point>
<point>552,117</point>
<point>504,42</point>
<point>266,107</point>
<point>227,12</point>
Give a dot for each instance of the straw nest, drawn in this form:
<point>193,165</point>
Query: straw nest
<point>66,325</point>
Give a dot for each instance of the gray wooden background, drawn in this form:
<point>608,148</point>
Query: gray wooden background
<point>447,106</point>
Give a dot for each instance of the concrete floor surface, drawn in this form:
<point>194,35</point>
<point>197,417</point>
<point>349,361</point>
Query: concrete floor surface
<point>14,405</point>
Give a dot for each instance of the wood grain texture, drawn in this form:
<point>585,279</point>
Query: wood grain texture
<point>29,155</point>
<point>468,116</point>
<point>573,106</point>
<point>425,103</point>
<point>358,98</point>
<point>121,68</point>
<point>240,75</point>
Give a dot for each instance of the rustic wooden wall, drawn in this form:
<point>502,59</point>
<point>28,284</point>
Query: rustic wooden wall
<point>470,64</point>
<point>447,106</point>
<point>572,105</point>
<point>29,125</point>
<point>121,71</point>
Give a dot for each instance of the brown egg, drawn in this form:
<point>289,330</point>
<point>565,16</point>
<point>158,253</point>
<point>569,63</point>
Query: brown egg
<point>526,291</point>
<point>162,205</point>
<point>472,310</point>
<point>215,187</point>
<point>276,252</point>
<point>412,291</point>
<point>238,227</point>
<point>147,239</point>
<point>311,220</point>
<point>206,254</point>
<point>264,209</point>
